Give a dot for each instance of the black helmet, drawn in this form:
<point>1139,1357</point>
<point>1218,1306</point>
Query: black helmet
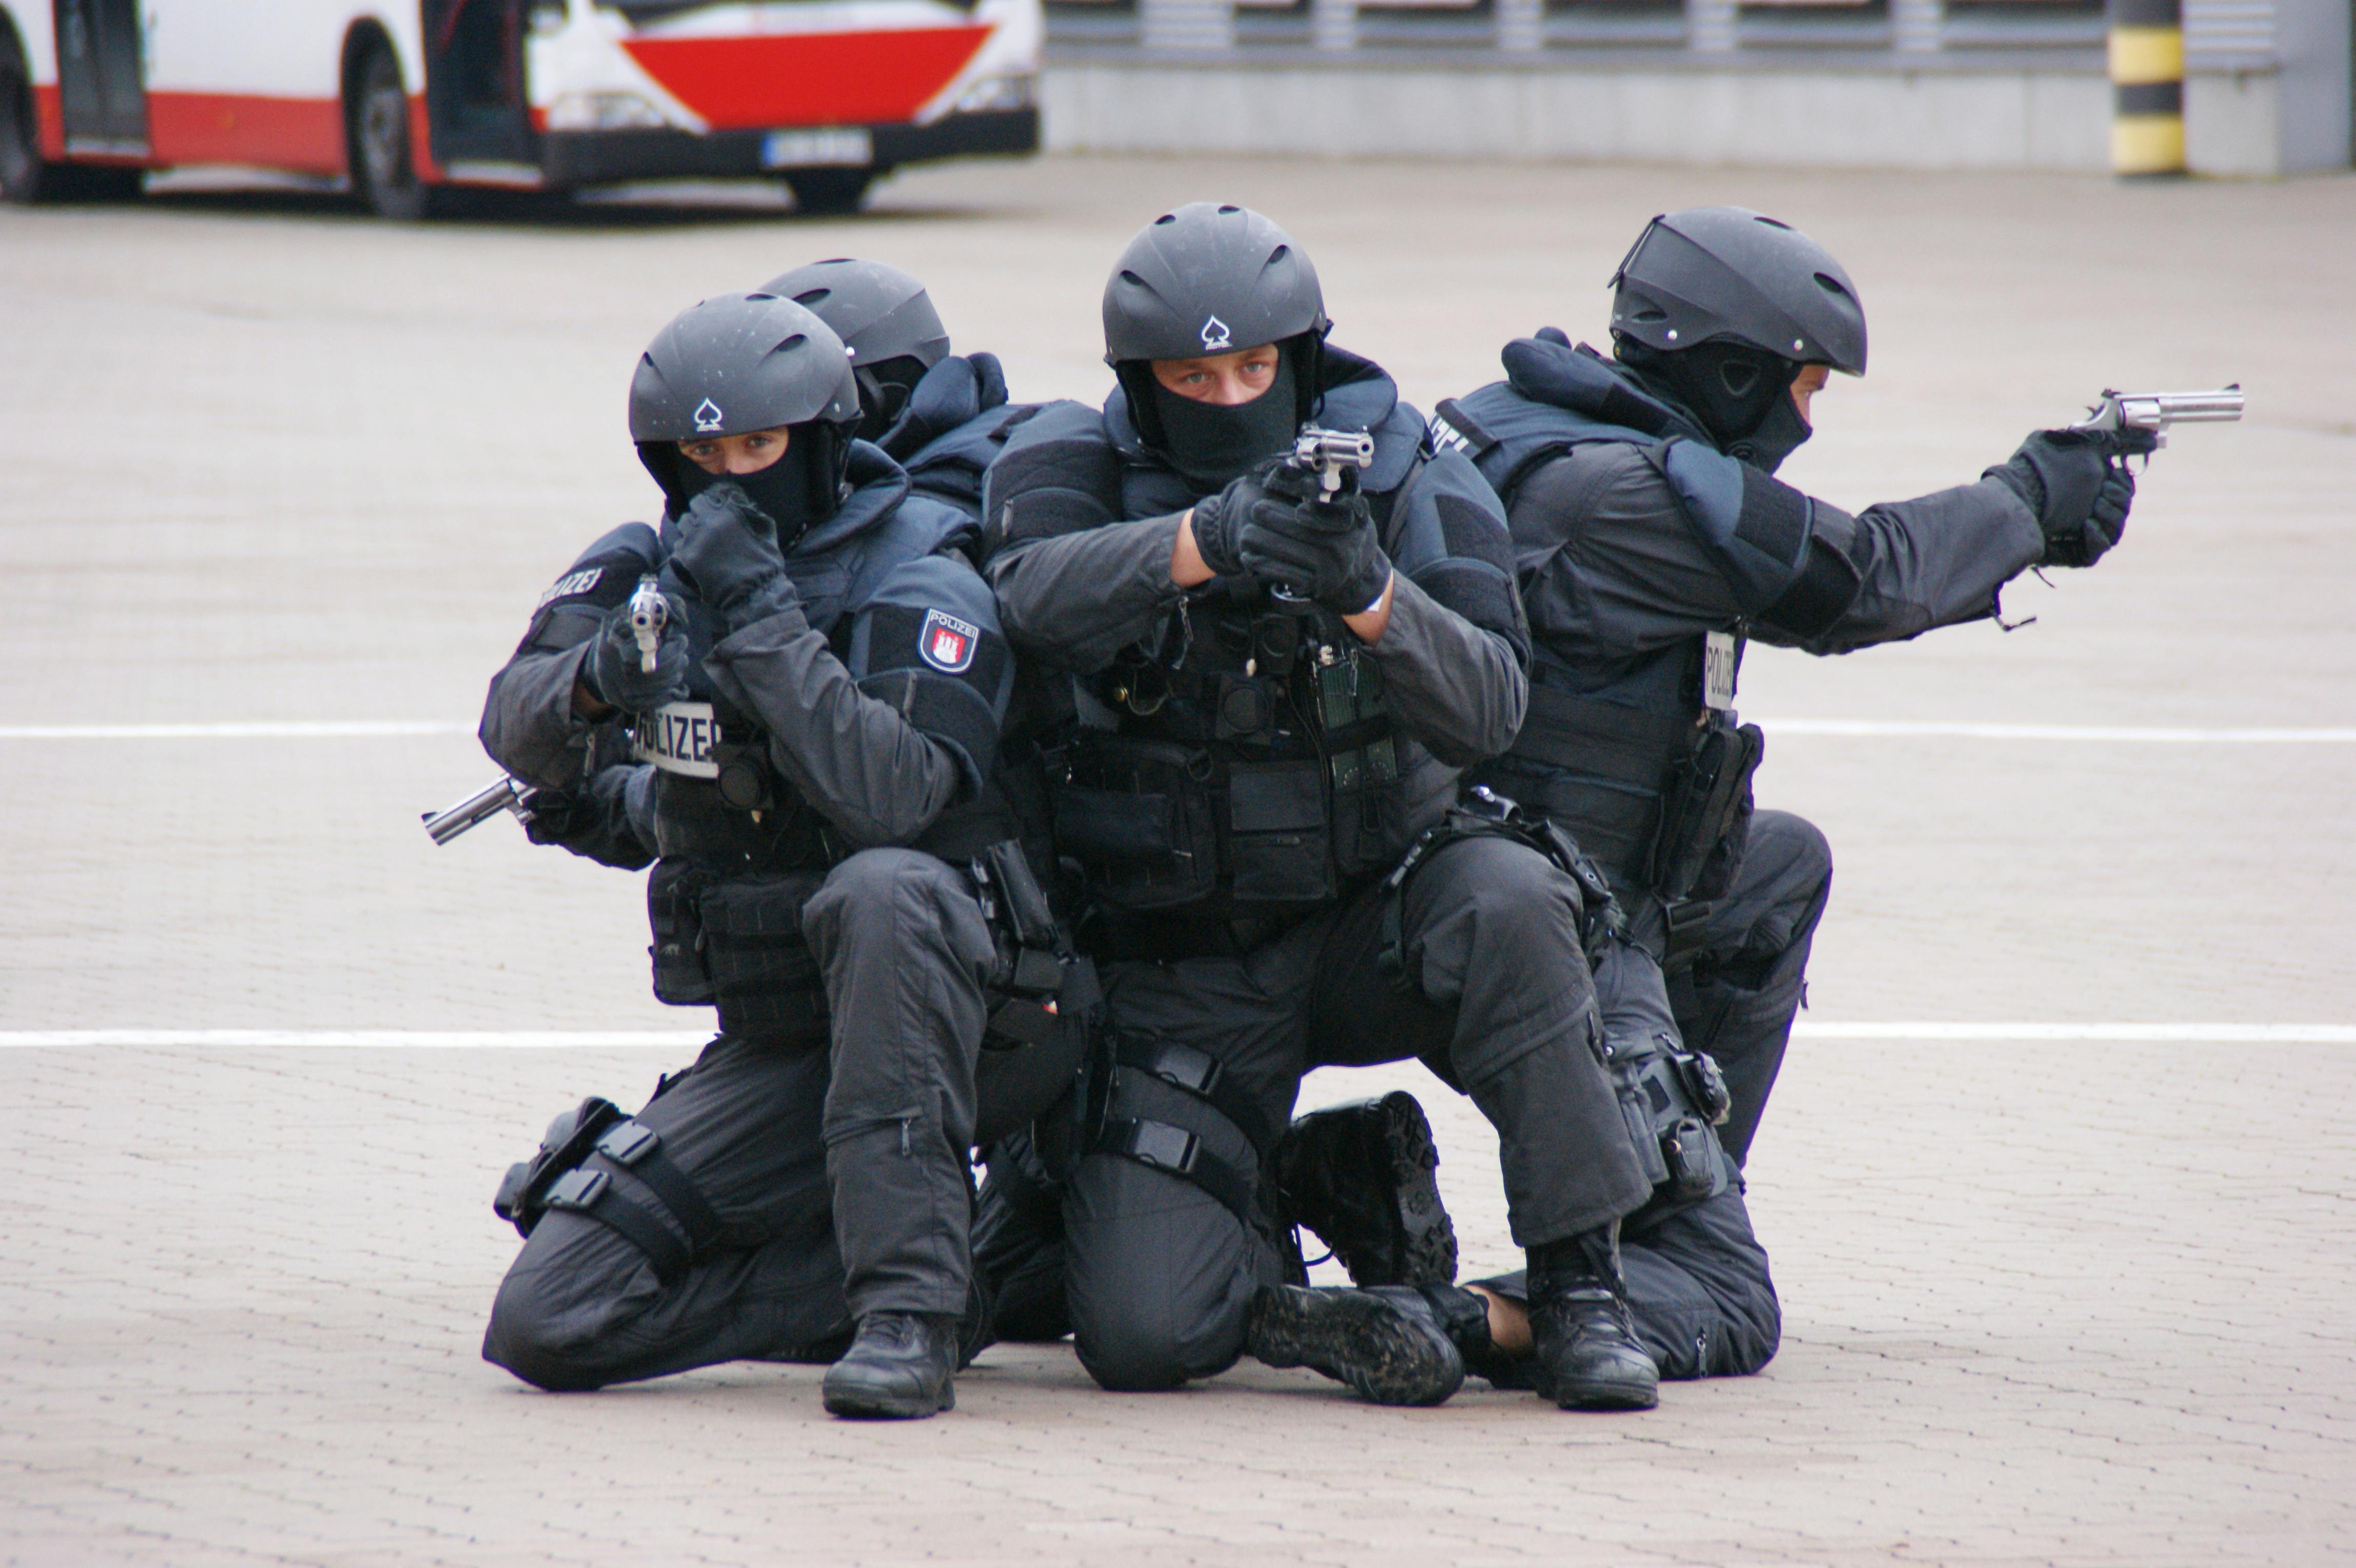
<point>886,322</point>
<point>737,363</point>
<point>879,312</point>
<point>1206,279</point>
<point>1728,274</point>
<point>1210,279</point>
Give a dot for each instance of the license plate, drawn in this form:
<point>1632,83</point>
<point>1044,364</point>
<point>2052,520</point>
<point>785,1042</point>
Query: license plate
<point>678,738</point>
<point>838,147</point>
<point>1719,654</point>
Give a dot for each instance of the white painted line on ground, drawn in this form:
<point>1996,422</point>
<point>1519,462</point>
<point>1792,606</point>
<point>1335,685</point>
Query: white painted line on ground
<point>356,729</point>
<point>2189,1034</point>
<point>405,1039</point>
<point>677,1039</point>
<point>325,729</point>
<point>1882,728</point>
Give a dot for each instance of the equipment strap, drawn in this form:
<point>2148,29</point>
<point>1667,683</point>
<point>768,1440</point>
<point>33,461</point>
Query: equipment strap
<point>593,1193</point>
<point>1202,1075</point>
<point>637,1148</point>
<point>1176,1152</point>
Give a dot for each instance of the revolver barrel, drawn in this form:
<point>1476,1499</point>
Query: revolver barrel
<point>507,795</point>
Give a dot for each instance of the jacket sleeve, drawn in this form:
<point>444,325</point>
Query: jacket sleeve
<point>884,739</point>
<point>1622,553</point>
<point>1933,562</point>
<point>1455,656</point>
<point>1075,583</point>
<point>528,726</point>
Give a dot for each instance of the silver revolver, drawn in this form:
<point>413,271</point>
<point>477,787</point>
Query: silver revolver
<point>1334,456</point>
<point>2120,411</point>
<point>507,795</point>
<point>648,615</point>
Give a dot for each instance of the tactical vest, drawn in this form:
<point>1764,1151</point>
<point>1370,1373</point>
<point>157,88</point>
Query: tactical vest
<point>1245,770</point>
<point>1648,773</point>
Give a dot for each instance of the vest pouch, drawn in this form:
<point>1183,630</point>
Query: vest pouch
<point>1279,837</point>
<point>764,979</point>
<point>1137,815</point>
<point>674,892</point>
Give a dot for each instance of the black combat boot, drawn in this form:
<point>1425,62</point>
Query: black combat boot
<point>1389,1355</point>
<point>1584,1343</point>
<point>1464,1315</point>
<point>900,1366</point>
<point>1360,1176</point>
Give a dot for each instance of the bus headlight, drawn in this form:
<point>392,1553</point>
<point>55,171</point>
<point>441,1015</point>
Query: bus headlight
<point>604,111</point>
<point>1012,91</point>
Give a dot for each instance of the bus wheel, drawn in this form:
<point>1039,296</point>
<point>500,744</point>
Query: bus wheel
<point>830,192</point>
<point>376,138</point>
<point>23,176</point>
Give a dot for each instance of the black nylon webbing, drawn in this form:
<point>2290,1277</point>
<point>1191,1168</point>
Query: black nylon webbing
<point>1604,740</point>
<point>597,1199</point>
<point>1152,1144</point>
<point>1182,1067</point>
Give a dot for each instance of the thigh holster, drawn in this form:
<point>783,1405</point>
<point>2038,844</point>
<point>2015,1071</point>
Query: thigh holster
<point>576,1169</point>
<point>1672,1100</point>
<point>1043,1001</point>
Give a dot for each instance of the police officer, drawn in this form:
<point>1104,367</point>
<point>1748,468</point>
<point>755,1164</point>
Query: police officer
<point>1653,543</point>
<point>821,707</point>
<point>1274,684</point>
<point>941,416</point>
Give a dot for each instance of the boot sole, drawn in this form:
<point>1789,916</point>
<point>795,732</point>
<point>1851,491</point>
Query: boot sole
<point>1637,1395</point>
<point>1384,1355</point>
<point>886,1404</point>
<point>1427,1236</point>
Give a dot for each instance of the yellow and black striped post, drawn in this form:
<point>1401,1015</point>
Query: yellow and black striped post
<point>2147,86</point>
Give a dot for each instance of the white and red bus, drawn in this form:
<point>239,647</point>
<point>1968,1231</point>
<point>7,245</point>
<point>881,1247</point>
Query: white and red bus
<point>409,98</point>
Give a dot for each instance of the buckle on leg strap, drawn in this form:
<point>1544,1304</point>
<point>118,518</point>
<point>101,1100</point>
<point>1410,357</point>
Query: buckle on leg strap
<point>1179,1153</point>
<point>592,1192</point>
<point>637,1148</point>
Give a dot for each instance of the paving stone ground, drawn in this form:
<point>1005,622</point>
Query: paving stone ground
<point>2070,1302</point>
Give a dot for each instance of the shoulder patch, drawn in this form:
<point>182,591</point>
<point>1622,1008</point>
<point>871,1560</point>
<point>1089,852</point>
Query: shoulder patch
<point>947,643</point>
<point>1452,429</point>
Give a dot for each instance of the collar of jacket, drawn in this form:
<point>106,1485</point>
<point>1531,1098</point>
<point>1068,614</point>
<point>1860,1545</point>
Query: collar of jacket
<point>1353,394</point>
<point>1546,369</point>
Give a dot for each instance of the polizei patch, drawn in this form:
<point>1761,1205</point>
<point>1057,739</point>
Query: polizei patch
<point>566,586</point>
<point>947,643</point>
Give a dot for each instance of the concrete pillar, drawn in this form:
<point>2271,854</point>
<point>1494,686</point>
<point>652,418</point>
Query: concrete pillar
<point>1521,26</point>
<point>1914,26</point>
<point>1334,24</point>
<point>1709,27</point>
<point>1187,26</point>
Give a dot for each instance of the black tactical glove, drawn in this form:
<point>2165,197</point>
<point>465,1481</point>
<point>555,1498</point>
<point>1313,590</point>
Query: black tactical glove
<point>2078,486</point>
<point>728,558</point>
<point>616,671</point>
<point>1219,524</point>
<point>1319,550</point>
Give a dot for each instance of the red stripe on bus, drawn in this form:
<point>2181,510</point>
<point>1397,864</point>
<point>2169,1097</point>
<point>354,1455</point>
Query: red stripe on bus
<point>808,79</point>
<point>305,134</point>
<point>50,121</point>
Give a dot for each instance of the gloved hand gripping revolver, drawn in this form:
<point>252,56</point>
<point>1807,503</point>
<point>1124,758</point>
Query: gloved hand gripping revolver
<point>1310,534</point>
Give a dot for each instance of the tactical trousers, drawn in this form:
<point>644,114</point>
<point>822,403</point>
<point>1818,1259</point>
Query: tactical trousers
<point>835,1160</point>
<point>1745,979</point>
<point>1698,1290</point>
<point>1157,1274</point>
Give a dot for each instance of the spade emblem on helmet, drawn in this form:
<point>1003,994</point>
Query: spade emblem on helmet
<point>1214,334</point>
<point>708,416</point>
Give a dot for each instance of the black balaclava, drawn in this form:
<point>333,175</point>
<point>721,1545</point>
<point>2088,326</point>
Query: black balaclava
<point>883,390</point>
<point>801,488</point>
<point>1212,444</point>
<point>1741,395</point>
